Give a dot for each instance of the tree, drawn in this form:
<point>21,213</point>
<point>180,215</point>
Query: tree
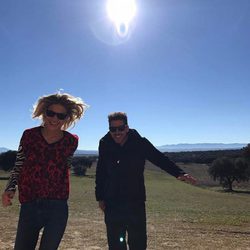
<point>228,170</point>
<point>7,160</point>
<point>81,164</point>
<point>246,151</point>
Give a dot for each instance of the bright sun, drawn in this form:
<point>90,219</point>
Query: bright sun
<point>121,12</point>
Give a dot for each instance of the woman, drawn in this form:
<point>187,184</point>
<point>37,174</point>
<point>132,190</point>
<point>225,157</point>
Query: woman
<point>42,172</point>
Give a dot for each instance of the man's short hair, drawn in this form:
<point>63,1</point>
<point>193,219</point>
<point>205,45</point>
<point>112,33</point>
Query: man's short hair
<point>118,116</point>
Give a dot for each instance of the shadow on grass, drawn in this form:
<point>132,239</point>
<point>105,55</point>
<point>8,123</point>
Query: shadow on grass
<point>235,191</point>
<point>241,192</point>
<point>4,178</point>
<point>91,176</point>
<point>232,232</point>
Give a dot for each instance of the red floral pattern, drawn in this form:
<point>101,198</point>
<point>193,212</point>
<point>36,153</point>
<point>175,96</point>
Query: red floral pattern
<point>45,170</point>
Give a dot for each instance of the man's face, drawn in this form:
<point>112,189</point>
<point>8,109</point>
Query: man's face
<point>118,131</point>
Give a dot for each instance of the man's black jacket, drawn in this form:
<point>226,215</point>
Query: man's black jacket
<point>120,169</point>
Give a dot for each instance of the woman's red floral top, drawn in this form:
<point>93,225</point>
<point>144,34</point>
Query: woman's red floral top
<point>42,170</point>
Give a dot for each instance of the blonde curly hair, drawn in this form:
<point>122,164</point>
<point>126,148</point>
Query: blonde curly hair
<point>74,105</point>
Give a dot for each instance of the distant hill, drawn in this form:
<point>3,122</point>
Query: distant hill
<point>86,152</point>
<point>182,147</point>
<point>200,147</point>
<point>2,150</point>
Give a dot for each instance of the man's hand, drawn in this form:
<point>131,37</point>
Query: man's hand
<point>7,196</point>
<point>187,178</point>
<point>102,205</point>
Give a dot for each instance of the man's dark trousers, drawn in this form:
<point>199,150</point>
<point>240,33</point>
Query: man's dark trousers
<point>122,217</point>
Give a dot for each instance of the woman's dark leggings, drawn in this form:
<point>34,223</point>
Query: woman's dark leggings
<point>49,215</point>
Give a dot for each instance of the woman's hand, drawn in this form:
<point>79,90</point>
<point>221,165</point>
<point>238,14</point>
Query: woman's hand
<point>7,196</point>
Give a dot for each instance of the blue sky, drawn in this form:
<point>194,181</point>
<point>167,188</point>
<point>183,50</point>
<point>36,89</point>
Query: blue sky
<point>182,74</point>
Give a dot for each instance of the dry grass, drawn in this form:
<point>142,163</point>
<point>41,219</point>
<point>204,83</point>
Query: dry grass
<point>179,216</point>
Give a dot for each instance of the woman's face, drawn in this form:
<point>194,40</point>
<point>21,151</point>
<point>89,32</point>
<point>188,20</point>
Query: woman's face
<point>55,116</point>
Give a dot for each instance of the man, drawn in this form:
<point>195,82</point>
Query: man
<point>120,188</point>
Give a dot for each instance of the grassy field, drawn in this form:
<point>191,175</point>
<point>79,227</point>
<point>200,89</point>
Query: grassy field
<point>179,216</point>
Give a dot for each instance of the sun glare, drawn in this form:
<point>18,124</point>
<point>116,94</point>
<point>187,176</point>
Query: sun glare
<point>121,12</point>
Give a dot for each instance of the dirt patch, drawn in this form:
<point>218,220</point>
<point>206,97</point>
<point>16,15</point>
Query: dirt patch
<point>87,231</point>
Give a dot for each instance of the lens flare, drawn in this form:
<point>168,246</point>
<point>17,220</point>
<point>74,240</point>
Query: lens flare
<point>121,13</point>
<point>122,29</point>
<point>118,23</point>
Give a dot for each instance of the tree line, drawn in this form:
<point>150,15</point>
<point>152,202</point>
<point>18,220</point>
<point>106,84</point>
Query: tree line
<point>7,159</point>
<point>226,166</point>
<point>203,157</point>
<point>79,164</point>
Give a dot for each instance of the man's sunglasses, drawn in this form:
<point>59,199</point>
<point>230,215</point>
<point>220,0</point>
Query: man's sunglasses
<point>120,128</point>
<point>60,116</point>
